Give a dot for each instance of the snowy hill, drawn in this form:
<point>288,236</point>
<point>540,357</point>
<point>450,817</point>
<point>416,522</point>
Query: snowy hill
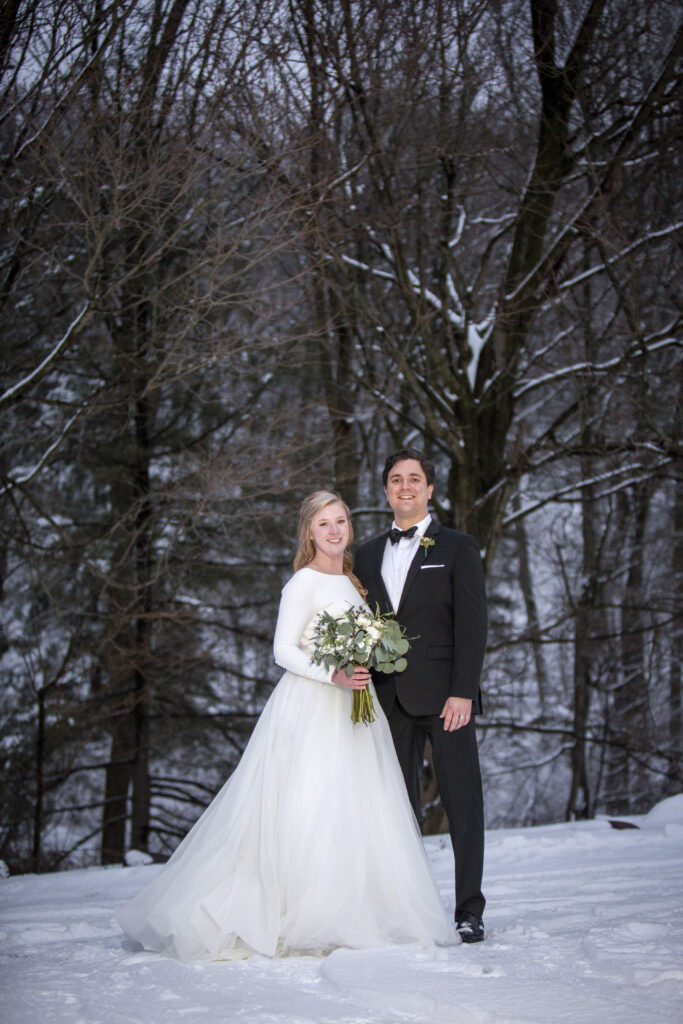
<point>584,924</point>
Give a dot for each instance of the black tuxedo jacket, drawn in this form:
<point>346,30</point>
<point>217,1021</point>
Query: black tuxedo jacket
<point>443,608</point>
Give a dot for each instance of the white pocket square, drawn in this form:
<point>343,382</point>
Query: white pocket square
<point>435,565</point>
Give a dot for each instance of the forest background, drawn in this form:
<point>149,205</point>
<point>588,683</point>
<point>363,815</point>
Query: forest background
<point>246,248</point>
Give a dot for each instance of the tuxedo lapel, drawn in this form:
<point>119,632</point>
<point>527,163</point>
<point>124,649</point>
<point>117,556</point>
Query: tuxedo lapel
<point>431,531</point>
<point>377,559</point>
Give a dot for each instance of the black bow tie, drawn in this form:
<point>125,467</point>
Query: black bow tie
<point>395,535</point>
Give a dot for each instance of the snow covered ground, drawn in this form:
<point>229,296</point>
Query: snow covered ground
<point>584,924</point>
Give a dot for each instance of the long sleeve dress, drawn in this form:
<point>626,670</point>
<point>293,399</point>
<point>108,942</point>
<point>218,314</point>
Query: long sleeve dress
<point>311,844</point>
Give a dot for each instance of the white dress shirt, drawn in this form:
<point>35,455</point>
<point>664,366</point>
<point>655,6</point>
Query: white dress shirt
<point>397,558</point>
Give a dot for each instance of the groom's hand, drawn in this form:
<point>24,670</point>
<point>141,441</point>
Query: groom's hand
<point>359,679</point>
<point>457,712</point>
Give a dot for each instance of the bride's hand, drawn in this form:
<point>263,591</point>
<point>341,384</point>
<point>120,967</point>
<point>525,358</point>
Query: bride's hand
<point>359,679</point>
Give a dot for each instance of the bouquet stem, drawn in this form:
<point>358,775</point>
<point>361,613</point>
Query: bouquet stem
<point>362,709</point>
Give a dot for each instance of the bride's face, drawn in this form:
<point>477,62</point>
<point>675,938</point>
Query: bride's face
<point>330,530</point>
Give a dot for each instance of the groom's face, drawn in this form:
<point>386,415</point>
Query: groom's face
<point>408,492</point>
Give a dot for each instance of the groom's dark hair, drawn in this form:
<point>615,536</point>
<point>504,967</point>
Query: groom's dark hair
<point>408,453</point>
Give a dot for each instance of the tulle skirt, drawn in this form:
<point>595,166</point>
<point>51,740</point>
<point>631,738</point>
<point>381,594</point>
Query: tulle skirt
<point>310,845</point>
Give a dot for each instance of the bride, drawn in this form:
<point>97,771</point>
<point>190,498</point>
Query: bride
<point>311,844</point>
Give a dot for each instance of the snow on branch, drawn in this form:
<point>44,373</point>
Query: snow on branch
<point>342,179</point>
<point>606,367</point>
<point>579,485</point>
<point>455,298</point>
<point>630,482</point>
<point>601,267</point>
<point>434,300</point>
<point>27,476</point>
<point>476,335</point>
<point>39,371</point>
<point>505,218</point>
<point>371,270</point>
<point>459,230</point>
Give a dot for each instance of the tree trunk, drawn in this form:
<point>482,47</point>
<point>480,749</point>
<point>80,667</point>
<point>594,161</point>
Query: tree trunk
<point>117,781</point>
<point>628,723</point>
<point>333,316</point>
<point>40,783</point>
<point>579,804</point>
<point>532,618</point>
<point>141,799</point>
<point>675,765</point>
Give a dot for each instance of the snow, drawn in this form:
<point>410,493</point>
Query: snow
<point>477,337</point>
<point>584,924</point>
<point>607,367</point>
<point>22,385</point>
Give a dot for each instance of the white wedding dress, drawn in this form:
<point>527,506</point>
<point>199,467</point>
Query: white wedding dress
<point>311,844</point>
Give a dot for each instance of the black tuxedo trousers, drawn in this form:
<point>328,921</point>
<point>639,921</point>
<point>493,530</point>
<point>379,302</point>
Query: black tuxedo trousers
<point>443,609</point>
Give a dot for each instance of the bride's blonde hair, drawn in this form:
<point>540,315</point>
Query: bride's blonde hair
<point>305,554</point>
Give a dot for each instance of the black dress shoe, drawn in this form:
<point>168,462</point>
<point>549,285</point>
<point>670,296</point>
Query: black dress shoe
<point>470,928</point>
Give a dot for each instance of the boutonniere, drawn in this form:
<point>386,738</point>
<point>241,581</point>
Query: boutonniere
<point>426,543</point>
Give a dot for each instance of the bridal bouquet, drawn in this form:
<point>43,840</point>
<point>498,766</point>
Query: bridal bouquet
<point>357,637</point>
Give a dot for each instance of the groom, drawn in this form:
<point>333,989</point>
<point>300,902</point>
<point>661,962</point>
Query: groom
<point>431,578</point>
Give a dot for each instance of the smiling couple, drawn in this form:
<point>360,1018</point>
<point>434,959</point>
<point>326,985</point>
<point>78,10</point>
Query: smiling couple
<point>312,844</point>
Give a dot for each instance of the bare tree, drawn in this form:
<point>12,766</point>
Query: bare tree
<point>486,184</point>
<point>147,308</point>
